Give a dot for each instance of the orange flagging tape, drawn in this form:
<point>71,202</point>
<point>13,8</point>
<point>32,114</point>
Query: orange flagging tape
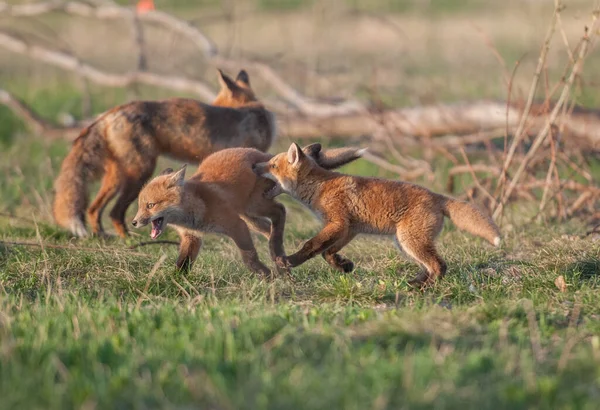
<point>145,5</point>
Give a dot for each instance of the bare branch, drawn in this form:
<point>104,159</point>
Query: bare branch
<point>70,63</point>
<point>199,39</point>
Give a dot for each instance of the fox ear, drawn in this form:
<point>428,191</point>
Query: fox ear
<point>177,178</point>
<point>167,171</point>
<point>294,154</point>
<point>312,150</point>
<point>226,82</point>
<point>243,79</point>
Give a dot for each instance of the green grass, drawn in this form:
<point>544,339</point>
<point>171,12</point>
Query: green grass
<point>96,325</point>
<point>92,324</point>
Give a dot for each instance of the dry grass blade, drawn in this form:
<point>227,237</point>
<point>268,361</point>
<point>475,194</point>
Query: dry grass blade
<point>545,130</point>
<point>525,115</point>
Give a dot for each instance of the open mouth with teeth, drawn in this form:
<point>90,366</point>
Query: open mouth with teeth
<point>273,191</point>
<point>157,227</point>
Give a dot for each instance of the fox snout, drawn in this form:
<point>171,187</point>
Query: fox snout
<point>140,221</point>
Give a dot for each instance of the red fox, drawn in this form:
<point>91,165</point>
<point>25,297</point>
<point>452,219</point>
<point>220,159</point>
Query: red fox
<point>124,143</point>
<point>221,197</point>
<point>350,205</point>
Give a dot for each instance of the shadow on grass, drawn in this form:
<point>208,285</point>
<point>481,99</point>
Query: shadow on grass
<point>585,269</point>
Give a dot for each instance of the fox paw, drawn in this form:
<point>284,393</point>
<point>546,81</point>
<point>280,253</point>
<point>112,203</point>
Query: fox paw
<point>282,265</point>
<point>346,265</point>
<point>421,281</point>
<point>340,263</point>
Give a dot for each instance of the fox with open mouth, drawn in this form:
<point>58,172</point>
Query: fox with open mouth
<point>224,196</point>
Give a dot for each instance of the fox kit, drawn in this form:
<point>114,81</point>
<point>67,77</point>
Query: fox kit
<point>223,196</point>
<point>124,143</point>
<point>351,205</point>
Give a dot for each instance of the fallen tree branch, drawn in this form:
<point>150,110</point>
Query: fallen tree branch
<point>198,38</point>
<point>73,64</point>
<point>473,120</point>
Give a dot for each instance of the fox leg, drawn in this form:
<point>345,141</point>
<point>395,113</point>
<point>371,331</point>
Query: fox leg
<point>329,235</point>
<point>422,249</point>
<point>238,231</point>
<point>189,247</point>
<point>338,261</point>
<point>276,213</point>
<point>258,224</point>
<point>130,188</point>
<point>108,189</point>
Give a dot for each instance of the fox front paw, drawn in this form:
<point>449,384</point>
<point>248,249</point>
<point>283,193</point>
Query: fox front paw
<point>282,265</point>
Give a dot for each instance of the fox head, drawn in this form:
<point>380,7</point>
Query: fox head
<point>159,202</point>
<point>236,93</point>
<point>287,168</point>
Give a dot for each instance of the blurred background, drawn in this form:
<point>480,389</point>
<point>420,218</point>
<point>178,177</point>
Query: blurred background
<point>409,52</point>
<point>379,53</point>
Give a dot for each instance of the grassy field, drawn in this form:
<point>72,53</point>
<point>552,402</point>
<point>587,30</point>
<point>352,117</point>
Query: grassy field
<point>94,324</point>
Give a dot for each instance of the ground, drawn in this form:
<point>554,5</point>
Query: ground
<point>94,324</point>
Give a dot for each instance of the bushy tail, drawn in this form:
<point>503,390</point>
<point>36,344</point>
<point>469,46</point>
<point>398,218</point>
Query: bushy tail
<point>334,157</point>
<point>468,218</point>
<point>83,164</point>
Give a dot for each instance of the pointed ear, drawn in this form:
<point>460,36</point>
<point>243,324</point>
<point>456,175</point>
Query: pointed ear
<point>167,171</point>
<point>294,154</point>
<point>178,178</point>
<point>243,79</point>
<point>312,150</point>
<point>225,82</point>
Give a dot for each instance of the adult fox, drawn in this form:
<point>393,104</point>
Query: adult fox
<point>350,205</point>
<point>223,196</point>
<point>124,143</point>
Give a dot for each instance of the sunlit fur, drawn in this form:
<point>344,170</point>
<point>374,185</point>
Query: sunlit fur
<point>351,205</point>
<point>224,196</point>
<point>123,145</point>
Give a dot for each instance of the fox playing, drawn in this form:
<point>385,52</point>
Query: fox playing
<point>223,196</point>
<point>124,143</point>
<point>350,205</point>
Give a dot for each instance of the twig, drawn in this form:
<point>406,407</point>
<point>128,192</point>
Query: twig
<point>402,172</point>
<point>550,120</point>
<point>77,248</point>
<point>137,245</point>
<point>476,180</point>
<point>525,114</point>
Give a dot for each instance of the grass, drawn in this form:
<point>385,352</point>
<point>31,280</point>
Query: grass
<point>92,324</point>
<point>95,325</point>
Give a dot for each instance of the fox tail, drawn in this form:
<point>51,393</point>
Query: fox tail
<point>470,219</point>
<point>335,157</point>
<point>83,164</point>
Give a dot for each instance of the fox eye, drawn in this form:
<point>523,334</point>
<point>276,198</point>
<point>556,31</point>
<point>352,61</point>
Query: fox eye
<point>274,166</point>
<point>150,205</point>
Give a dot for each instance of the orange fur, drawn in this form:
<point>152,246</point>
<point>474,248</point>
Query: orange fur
<point>351,205</point>
<point>124,143</point>
<point>224,196</point>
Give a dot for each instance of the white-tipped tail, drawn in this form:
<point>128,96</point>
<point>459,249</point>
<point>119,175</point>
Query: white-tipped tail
<point>497,241</point>
<point>361,152</point>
